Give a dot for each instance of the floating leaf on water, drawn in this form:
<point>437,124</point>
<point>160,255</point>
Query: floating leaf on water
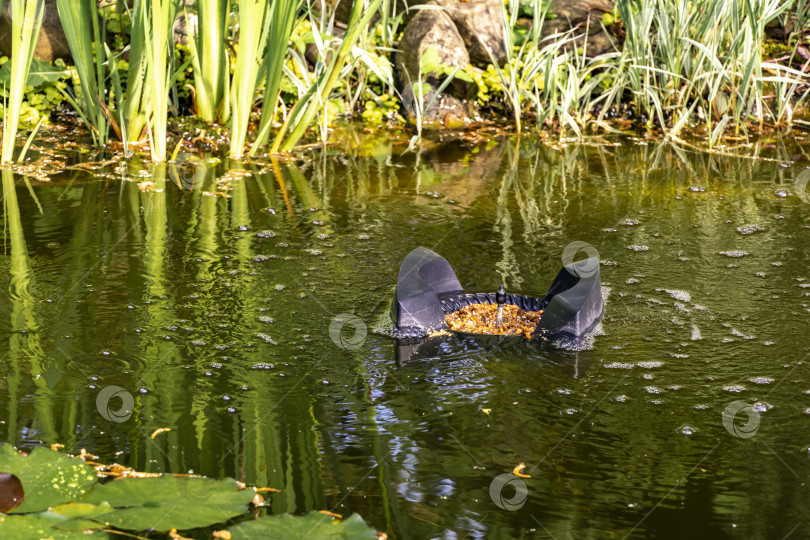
<point>47,525</point>
<point>11,492</point>
<point>312,525</point>
<point>518,471</point>
<point>81,510</point>
<point>159,431</point>
<point>48,478</point>
<point>168,502</point>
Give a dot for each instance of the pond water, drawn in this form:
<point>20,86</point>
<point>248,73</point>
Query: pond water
<point>211,315</point>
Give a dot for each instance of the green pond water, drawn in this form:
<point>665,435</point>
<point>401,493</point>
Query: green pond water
<point>212,317</point>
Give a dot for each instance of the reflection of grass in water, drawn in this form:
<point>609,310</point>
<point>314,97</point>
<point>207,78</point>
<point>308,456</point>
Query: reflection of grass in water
<point>24,319</point>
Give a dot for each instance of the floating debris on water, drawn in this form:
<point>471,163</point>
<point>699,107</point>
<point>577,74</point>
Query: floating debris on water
<point>619,365</point>
<point>749,229</point>
<point>650,364</point>
<point>687,430</point>
<point>266,338</point>
<point>761,380</point>
<point>677,294</point>
<point>481,319</point>
<point>636,247</point>
<point>737,253</point>
<point>263,366</point>
<point>736,388</point>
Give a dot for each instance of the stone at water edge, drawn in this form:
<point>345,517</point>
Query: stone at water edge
<point>429,28</point>
<point>582,14</point>
<point>434,28</point>
<point>479,24</point>
<point>51,43</point>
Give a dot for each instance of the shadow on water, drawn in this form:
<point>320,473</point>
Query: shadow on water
<point>208,298</point>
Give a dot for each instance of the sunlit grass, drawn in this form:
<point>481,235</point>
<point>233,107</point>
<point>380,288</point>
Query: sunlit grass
<point>158,20</point>
<point>316,97</point>
<point>209,60</point>
<point>254,21</point>
<point>26,20</point>
<point>80,22</point>
<point>283,14</point>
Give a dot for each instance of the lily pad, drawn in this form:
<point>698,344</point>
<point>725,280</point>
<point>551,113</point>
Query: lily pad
<point>48,478</point>
<point>312,525</point>
<point>44,525</point>
<point>82,510</point>
<point>169,502</point>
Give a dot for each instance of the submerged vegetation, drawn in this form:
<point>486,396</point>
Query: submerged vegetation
<point>269,70</point>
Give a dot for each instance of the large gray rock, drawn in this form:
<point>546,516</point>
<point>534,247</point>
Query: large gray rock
<point>429,28</point>
<point>583,15</point>
<point>51,43</point>
<point>444,112</point>
<point>479,22</point>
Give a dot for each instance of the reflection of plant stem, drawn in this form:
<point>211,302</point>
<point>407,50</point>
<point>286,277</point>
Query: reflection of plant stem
<point>280,179</point>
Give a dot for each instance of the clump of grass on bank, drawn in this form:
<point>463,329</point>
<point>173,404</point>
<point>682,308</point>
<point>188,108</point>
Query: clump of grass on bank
<point>279,70</point>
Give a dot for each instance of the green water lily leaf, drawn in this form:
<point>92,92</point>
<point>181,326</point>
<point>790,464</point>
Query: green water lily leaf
<point>48,478</point>
<point>79,525</point>
<point>312,525</point>
<point>43,525</point>
<point>170,502</point>
<point>82,510</point>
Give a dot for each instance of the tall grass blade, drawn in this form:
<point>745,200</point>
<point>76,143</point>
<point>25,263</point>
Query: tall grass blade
<point>81,26</point>
<point>254,19</point>
<point>26,20</point>
<point>307,107</point>
<point>158,21</point>
<point>283,14</point>
<point>208,52</point>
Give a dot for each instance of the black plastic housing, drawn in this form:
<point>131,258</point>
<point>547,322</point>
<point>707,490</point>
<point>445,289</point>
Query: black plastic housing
<point>427,289</point>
